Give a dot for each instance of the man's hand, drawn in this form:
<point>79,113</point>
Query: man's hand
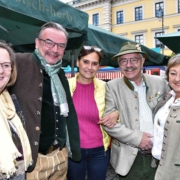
<point>146,142</point>
<point>110,119</point>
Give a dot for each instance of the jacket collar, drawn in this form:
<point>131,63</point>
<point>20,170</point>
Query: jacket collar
<point>162,101</point>
<point>95,81</point>
<point>130,85</point>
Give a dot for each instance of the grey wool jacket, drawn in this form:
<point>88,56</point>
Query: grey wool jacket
<point>120,95</point>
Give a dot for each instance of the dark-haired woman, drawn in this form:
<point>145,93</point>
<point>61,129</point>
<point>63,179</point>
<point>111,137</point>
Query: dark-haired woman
<point>88,95</point>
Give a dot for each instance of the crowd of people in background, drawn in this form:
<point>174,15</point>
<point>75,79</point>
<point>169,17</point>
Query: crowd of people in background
<point>58,129</point>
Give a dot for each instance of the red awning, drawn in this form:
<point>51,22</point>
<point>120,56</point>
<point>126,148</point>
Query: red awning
<point>109,75</point>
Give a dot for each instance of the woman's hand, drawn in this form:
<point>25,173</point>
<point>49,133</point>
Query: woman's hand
<point>110,119</point>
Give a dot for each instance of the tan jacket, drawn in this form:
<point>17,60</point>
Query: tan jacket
<point>169,165</point>
<point>127,135</point>
<point>99,96</point>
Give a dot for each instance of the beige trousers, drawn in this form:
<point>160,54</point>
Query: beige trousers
<point>52,166</point>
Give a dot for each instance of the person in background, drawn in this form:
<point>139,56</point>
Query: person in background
<point>13,138</point>
<point>135,97</point>
<point>88,95</point>
<point>43,92</point>
<point>166,145</point>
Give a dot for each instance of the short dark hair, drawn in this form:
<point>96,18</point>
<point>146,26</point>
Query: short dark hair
<point>52,25</point>
<point>7,47</point>
<point>175,60</point>
<point>85,52</point>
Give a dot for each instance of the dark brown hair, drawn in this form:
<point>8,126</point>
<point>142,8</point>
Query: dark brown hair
<point>92,49</point>
<point>8,48</point>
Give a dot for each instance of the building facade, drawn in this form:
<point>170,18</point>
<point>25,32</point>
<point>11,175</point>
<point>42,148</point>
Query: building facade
<point>138,20</point>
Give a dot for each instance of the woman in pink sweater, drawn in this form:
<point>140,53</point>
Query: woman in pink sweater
<point>88,95</point>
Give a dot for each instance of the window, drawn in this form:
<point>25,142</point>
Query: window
<point>119,17</point>
<point>159,9</point>
<point>139,38</point>
<point>157,42</point>
<point>96,19</point>
<point>178,6</point>
<point>138,13</point>
<point>178,30</point>
<point>75,1</point>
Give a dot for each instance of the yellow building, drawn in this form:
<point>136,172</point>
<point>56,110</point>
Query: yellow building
<point>134,19</point>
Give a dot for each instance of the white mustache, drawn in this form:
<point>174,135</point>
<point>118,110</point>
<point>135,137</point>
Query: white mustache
<point>129,68</point>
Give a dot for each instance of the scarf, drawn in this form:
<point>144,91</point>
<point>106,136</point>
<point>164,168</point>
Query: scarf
<point>8,150</point>
<point>58,92</point>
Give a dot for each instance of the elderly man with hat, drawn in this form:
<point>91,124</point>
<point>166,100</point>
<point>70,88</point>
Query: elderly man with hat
<point>134,96</point>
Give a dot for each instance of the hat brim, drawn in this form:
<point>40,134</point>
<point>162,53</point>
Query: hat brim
<point>129,52</point>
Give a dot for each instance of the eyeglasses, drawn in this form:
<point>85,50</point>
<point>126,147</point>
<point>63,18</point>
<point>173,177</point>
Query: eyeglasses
<point>92,48</point>
<point>50,44</point>
<point>6,66</point>
<point>124,61</point>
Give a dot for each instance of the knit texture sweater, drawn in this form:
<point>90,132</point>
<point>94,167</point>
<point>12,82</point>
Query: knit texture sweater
<point>88,116</point>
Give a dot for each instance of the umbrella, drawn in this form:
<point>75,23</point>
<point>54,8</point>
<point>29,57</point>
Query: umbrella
<point>20,21</point>
<point>111,43</point>
<point>172,41</point>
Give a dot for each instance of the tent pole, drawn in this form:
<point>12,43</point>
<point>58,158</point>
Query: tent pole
<point>4,29</point>
<point>72,62</point>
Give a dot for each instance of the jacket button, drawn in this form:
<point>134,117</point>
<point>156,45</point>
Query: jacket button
<point>136,119</point>
<point>37,128</point>
<point>135,107</point>
<point>135,96</point>
<point>40,98</point>
<point>41,71</point>
<point>38,113</point>
<point>35,143</point>
<point>40,84</point>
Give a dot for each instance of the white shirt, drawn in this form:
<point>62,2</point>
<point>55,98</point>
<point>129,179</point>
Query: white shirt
<point>159,122</point>
<point>145,112</point>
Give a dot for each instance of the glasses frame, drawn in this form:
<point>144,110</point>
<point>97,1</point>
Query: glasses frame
<point>92,48</point>
<point>3,66</point>
<point>53,44</point>
<point>133,60</point>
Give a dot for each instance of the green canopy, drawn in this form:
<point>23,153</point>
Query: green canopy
<point>20,21</point>
<point>111,43</point>
<point>172,41</point>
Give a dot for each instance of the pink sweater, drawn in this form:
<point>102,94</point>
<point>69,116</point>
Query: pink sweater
<point>88,116</point>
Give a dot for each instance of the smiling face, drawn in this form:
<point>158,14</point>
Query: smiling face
<point>88,67</point>
<point>174,79</point>
<point>132,71</point>
<point>51,55</point>
<point>4,74</point>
